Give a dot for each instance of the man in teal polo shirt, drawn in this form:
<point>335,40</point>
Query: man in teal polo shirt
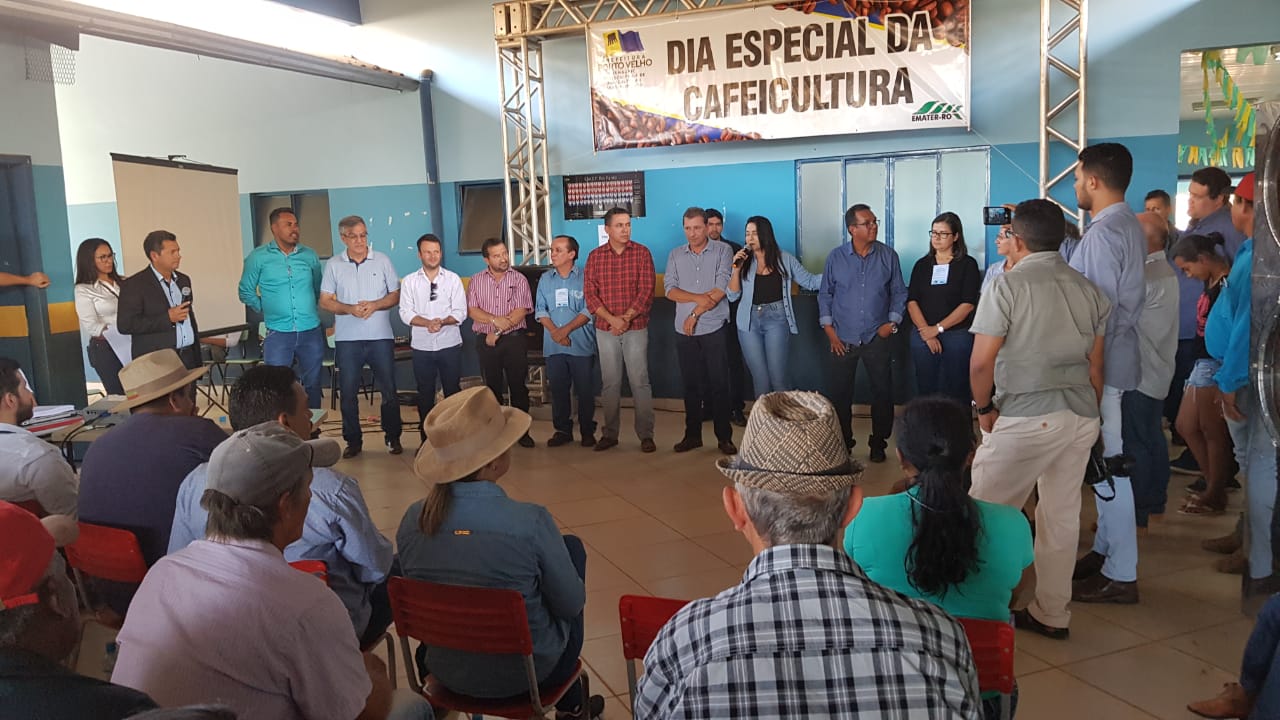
<point>568,344</point>
<point>281,280</point>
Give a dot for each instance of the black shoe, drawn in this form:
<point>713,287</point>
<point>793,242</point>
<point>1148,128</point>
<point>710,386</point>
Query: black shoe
<point>606,442</point>
<point>351,451</point>
<point>1185,464</point>
<point>687,444</point>
<point>589,440</point>
<point>1102,589</point>
<point>1198,486</point>
<point>647,445</point>
<point>559,439</point>
<point>1088,565</point>
<point>727,447</point>
<point>738,418</point>
<point>525,441</point>
<point>394,447</point>
<point>1024,620</point>
<point>877,455</point>
<point>595,708</point>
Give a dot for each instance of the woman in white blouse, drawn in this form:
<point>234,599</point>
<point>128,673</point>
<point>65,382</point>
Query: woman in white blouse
<point>97,294</point>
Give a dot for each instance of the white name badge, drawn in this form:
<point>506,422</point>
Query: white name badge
<point>940,274</point>
<point>562,297</point>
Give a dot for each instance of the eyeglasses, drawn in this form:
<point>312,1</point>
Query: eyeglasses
<point>936,234</point>
<point>108,256</point>
<point>434,287</point>
<point>1006,234</point>
<point>867,223</point>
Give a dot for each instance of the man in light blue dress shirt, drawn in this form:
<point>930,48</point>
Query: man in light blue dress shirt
<point>338,529</point>
<point>568,345</point>
<point>697,281</point>
<point>359,287</point>
<point>860,304</point>
<point>1112,255</point>
<point>281,280</point>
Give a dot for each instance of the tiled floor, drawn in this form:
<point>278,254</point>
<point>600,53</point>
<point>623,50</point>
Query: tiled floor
<point>653,524</point>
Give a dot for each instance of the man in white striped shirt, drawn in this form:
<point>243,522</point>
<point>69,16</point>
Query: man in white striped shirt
<point>433,304</point>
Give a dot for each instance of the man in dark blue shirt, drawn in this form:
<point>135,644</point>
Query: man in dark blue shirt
<point>860,304</point>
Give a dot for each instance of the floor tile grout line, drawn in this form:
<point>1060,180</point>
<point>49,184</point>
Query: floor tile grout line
<point>1117,698</point>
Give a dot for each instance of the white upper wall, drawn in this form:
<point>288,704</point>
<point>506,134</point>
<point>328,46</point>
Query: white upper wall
<point>28,111</point>
<point>462,56</point>
<point>282,130</point>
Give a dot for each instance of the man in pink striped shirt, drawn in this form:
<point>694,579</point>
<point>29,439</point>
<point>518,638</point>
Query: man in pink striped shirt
<point>498,299</point>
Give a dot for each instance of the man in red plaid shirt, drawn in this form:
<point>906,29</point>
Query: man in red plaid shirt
<point>498,299</point>
<point>618,283</point>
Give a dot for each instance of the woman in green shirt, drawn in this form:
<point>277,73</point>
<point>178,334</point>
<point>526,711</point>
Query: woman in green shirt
<point>934,542</point>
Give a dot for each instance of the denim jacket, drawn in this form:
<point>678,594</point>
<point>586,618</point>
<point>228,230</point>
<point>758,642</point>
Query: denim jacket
<point>794,272</point>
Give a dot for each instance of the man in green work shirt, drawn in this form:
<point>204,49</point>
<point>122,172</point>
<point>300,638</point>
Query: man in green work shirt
<point>281,280</point>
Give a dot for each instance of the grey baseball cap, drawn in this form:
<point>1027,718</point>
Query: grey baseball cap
<point>255,465</point>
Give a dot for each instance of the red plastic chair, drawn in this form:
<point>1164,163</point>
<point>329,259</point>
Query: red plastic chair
<point>107,553</point>
<point>321,570</point>
<point>312,567</point>
<point>991,642</point>
<point>478,620</point>
<point>641,618</point>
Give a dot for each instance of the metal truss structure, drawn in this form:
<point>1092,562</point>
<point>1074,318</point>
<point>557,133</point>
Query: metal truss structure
<point>1069,69</point>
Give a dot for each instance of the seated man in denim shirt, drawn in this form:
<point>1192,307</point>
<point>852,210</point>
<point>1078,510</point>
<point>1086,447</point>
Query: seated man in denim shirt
<point>338,528</point>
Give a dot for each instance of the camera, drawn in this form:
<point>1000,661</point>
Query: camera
<point>996,215</point>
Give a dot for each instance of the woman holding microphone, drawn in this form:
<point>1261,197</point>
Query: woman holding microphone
<point>763,273</point>
<point>97,293</point>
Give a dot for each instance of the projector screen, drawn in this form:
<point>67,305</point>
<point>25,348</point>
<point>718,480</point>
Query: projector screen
<point>201,205</point>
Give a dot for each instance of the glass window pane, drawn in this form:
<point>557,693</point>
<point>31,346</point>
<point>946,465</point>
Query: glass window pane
<point>820,212</point>
<point>964,192</point>
<point>915,204</point>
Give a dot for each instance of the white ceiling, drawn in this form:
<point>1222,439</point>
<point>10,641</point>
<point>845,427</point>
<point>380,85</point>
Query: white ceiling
<point>1257,82</point>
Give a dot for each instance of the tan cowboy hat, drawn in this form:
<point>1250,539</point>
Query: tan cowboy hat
<point>465,432</point>
<point>153,375</point>
<point>792,446</point>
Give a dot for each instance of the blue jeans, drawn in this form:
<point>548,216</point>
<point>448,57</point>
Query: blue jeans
<point>1259,670</point>
<point>307,347</point>
<point>946,373</point>
<point>1144,440</point>
<point>350,356</point>
<point>566,371</point>
<point>1256,456</point>
<point>428,367</point>
<point>765,346</point>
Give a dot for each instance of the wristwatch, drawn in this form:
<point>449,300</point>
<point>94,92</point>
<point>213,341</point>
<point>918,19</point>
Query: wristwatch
<point>894,330</point>
<point>985,409</point>
<point>941,329</point>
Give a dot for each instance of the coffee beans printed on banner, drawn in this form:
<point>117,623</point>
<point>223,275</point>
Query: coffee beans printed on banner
<point>949,18</point>
<point>621,126</point>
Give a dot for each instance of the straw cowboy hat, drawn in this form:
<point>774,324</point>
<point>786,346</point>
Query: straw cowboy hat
<point>153,375</point>
<point>792,445</point>
<point>465,432</point>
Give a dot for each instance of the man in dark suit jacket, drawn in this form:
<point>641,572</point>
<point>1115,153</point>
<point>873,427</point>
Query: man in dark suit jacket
<point>155,303</point>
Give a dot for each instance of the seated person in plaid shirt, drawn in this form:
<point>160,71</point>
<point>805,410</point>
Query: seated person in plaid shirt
<point>806,633</point>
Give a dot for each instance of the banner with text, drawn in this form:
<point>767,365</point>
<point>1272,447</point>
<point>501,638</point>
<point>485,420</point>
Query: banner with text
<point>791,70</point>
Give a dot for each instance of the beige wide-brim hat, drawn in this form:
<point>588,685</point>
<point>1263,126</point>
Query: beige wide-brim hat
<point>792,446</point>
<point>465,432</point>
<point>153,375</point>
